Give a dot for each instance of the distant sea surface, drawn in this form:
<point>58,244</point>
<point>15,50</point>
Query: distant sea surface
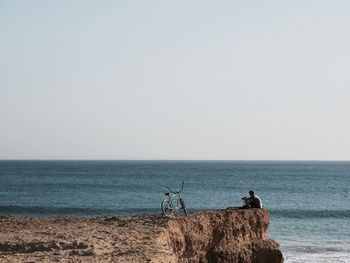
<point>309,202</point>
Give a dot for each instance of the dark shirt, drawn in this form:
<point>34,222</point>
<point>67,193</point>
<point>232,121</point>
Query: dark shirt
<point>255,202</point>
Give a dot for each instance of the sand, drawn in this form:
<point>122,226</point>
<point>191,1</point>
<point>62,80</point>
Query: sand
<point>211,236</point>
<point>73,239</point>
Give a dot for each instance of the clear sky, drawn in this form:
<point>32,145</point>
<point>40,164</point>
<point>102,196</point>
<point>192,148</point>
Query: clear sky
<point>236,80</point>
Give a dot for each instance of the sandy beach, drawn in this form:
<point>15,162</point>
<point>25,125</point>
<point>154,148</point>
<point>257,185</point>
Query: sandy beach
<point>73,239</point>
<point>200,237</point>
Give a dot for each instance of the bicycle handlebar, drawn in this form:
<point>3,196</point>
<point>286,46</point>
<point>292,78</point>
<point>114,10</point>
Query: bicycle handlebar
<point>182,187</point>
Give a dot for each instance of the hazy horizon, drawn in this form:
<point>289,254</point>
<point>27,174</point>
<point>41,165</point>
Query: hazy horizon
<point>199,80</point>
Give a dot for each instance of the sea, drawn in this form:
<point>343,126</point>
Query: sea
<point>309,201</point>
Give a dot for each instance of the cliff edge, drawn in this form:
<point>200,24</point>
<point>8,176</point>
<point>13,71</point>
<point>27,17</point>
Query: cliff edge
<point>220,236</point>
<point>212,236</point>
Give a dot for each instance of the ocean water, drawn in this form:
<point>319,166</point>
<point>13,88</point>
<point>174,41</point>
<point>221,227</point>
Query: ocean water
<point>309,202</point>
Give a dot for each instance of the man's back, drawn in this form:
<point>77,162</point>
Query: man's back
<point>255,202</point>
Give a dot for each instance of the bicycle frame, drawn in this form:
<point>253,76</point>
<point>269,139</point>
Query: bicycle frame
<point>173,202</point>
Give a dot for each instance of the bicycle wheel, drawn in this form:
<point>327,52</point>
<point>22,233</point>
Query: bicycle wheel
<point>183,206</point>
<point>167,209</point>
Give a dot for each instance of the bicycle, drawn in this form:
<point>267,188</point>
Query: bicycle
<point>173,202</point>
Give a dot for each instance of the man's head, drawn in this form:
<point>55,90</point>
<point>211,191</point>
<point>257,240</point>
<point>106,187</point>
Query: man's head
<point>251,193</point>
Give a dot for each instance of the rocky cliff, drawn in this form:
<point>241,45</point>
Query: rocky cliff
<point>220,236</point>
<point>211,236</point>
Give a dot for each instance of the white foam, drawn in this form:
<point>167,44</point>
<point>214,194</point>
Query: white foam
<point>317,258</point>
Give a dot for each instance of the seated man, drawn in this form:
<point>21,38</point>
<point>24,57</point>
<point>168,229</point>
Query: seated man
<point>253,201</point>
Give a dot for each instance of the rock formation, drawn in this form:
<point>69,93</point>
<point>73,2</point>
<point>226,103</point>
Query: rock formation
<point>221,236</point>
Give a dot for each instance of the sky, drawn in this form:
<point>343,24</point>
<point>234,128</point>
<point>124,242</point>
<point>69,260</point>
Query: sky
<point>175,80</point>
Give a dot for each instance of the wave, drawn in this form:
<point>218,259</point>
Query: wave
<point>310,214</point>
<point>74,211</point>
<point>315,249</point>
<point>316,258</point>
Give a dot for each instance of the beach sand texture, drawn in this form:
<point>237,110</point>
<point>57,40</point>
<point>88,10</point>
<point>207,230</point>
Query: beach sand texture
<point>200,237</point>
